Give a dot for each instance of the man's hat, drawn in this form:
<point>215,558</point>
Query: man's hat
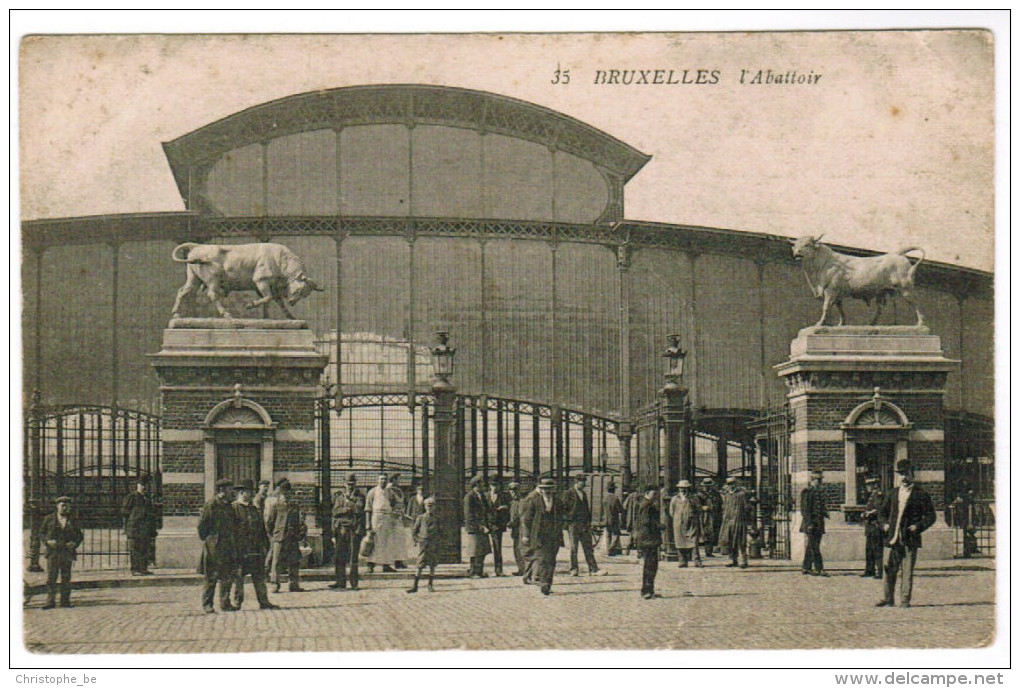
<point>246,484</point>
<point>708,481</point>
<point>224,483</point>
<point>904,466</point>
<point>611,487</point>
<point>285,485</point>
<point>395,477</point>
<point>547,484</point>
<point>871,480</point>
<point>62,499</point>
<point>513,486</point>
<point>352,479</point>
<point>263,482</point>
<point>476,480</point>
<point>651,487</point>
<point>579,477</point>
<point>817,474</point>
<point>730,480</point>
<point>430,500</point>
<point>280,481</point>
<point>684,483</point>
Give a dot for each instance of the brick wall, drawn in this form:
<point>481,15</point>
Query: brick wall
<point>183,500</point>
<point>294,456</point>
<point>183,457</point>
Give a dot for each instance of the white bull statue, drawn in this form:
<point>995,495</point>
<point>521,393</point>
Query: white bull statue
<point>834,276</point>
<point>272,270</point>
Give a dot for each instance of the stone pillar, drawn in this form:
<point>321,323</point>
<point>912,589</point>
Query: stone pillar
<point>449,472</point>
<point>862,398</point>
<point>238,400</point>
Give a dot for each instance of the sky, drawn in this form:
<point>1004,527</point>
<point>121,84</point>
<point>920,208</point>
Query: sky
<point>892,145</point>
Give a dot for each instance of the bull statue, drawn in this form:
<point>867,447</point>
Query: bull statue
<point>271,270</point>
<point>834,276</point>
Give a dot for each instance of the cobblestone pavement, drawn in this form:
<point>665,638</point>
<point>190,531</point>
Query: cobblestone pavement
<point>763,607</point>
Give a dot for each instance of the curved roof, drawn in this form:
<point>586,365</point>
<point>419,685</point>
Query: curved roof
<point>406,104</point>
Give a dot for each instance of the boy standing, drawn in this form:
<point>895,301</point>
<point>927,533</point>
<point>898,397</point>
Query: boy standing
<point>426,535</point>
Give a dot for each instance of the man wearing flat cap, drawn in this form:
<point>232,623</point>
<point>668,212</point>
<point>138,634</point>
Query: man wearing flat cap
<point>813,512</point>
<point>476,522</point>
<point>252,543</point>
<point>217,526</point>
<point>286,528</point>
<point>62,537</point>
<point>906,512</point>
<point>348,529</point>
<point>685,515</point>
<point>542,532</point>
<point>140,521</point>
<point>873,544</point>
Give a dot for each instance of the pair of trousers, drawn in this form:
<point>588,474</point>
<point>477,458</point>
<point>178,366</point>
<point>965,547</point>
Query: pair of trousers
<point>291,568</point>
<point>813,552</point>
<point>55,569</point>
<point>613,546</point>
<point>580,536</point>
<point>476,566</point>
<point>252,566</point>
<point>496,543</point>
<point>224,575</point>
<point>141,553</point>
<point>348,546</point>
<point>650,567</point>
<point>901,560</point>
<point>873,547</point>
<point>543,565</point>
<point>689,553</point>
<point>519,558</point>
<point>738,553</point>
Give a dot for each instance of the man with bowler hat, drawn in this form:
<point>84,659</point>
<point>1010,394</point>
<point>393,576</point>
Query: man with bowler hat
<point>476,521</point>
<point>813,512</point>
<point>873,544</point>
<point>648,538</point>
<point>906,512</point>
<point>577,520</point>
<point>140,521</point>
<point>614,515</point>
<point>542,532</point>
<point>498,520</point>
<point>217,526</point>
<point>515,526</point>
<point>62,537</point>
<point>251,546</point>
<point>348,529</point>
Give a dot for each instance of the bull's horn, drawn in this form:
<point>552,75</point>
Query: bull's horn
<point>314,285</point>
<point>819,237</point>
<point>791,240</point>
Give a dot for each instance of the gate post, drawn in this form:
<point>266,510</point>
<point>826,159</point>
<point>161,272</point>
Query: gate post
<point>325,479</point>
<point>673,418</point>
<point>449,472</point>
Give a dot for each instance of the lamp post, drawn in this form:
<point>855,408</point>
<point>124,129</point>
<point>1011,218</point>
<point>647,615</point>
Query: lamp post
<point>677,461</point>
<point>449,471</point>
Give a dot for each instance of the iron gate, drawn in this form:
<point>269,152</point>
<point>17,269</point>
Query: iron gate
<point>774,488</point>
<point>92,454</point>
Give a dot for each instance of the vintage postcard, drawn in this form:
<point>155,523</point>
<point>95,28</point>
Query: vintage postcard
<point>507,341</point>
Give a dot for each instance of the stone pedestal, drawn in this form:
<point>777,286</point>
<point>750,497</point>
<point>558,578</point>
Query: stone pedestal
<point>863,398</point>
<point>238,401</point>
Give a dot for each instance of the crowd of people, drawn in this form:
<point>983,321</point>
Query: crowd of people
<point>256,532</point>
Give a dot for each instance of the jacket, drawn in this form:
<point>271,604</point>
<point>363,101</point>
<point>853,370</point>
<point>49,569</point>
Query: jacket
<point>66,540</point>
<point>736,517</point>
<point>919,512</point>
<point>217,526</point>
<point>251,538</point>
<point>349,511</point>
<point>870,516</point>
<point>476,517</point>
<point>647,526</point>
<point>139,516</point>
<point>541,528</point>
<point>285,522</point>
<point>425,531</point>
<point>813,510</point>
<point>613,513</point>
<point>499,512</point>
<point>576,508</point>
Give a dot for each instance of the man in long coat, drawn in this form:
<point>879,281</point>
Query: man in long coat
<point>542,532</point>
<point>286,528</point>
<point>614,515</point>
<point>62,537</point>
<point>514,524</point>
<point>348,529</point>
<point>217,526</point>
<point>873,540</point>
<point>251,545</point>
<point>498,506</point>
<point>737,517</point>
<point>476,526</point>
<point>813,512</point>
<point>906,512</point>
<point>140,521</point>
<point>711,515</point>
<point>685,513</point>
<point>647,535</point>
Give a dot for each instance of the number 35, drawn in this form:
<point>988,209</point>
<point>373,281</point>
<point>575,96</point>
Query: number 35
<point>560,76</point>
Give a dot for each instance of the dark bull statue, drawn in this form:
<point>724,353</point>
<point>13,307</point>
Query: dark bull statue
<point>272,270</point>
<point>834,276</point>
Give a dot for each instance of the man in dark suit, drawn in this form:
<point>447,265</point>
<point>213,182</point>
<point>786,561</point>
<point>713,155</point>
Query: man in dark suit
<point>476,521</point>
<point>251,545</point>
<point>614,515</point>
<point>140,527</point>
<point>542,532</point>
<point>348,529</point>
<point>647,535</point>
<point>515,527</point>
<point>873,540</point>
<point>286,528</point>
<point>813,512</point>
<point>906,512</point>
<point>499,518</point>
<point>62,537</point>
<point>217,526</point>
<point>577,519</point>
